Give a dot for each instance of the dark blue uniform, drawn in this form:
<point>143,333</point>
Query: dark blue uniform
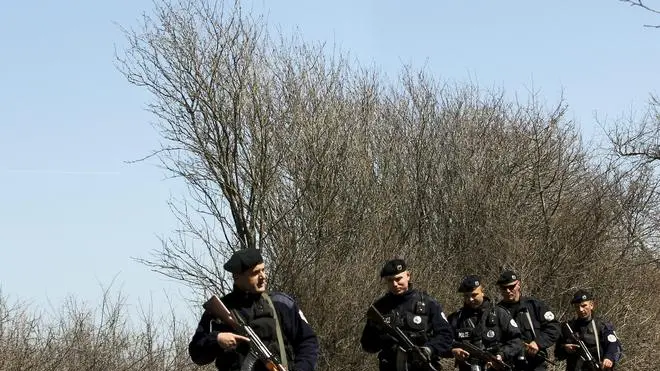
<point>300,341</point>
<point>597,334</point>
<point>536,323</point>
<point>419,316</point>
<point>489,327</point>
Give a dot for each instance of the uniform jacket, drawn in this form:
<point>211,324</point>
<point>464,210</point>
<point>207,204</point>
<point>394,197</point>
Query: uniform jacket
<point>598,335</point>
<point>536,323</point>
<point>418,315</point>
<point>489,327</point>
<point>301,342</point>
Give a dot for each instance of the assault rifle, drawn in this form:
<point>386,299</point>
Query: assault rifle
<point>482,355</point>
<point>403,341</point>
<point>583,351</point>
<point>217,309</point>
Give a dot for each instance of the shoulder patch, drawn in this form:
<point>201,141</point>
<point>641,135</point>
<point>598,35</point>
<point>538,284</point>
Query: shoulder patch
<point>611,338</point>
<point>283,298</point>
<point>513,323</point>
<point>549,316</point>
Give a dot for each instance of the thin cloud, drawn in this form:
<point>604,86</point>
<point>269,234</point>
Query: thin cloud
<point>61,172</point>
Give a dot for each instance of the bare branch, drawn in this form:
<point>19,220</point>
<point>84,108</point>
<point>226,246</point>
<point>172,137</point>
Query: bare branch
<point>640,4</point>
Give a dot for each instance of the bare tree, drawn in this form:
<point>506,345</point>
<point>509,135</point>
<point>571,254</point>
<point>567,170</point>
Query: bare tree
<point>639,139</point>
<point>207,70</point>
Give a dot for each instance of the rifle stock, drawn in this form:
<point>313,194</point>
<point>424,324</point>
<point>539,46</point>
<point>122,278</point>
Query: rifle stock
<point>404,341</point>
<point>216,308</point>
<point>482,355</point>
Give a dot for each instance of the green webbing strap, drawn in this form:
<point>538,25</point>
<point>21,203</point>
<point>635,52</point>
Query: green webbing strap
<point>278,331</point>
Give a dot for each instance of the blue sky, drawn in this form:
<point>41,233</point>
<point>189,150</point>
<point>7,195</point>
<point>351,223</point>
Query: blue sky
<point>73,213</point>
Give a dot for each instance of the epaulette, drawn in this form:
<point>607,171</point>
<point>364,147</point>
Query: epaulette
<point>535,301</point>
<point>425,295</point>
<point>282,298</point>
<point>602,323</point>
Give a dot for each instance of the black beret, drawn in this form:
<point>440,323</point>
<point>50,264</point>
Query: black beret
<point>580,296</point>
<point>243,260</point>
<point>393,267</point>
<point>507,278</point>
<point>469,283</point>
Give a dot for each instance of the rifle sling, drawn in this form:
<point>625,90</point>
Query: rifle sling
<point>531,325</point>
<point>278,331</point>
<point>596,336</point>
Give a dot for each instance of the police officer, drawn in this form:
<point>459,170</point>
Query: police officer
<point>598,335</point>
<point>538,327</point>
<point>484,324</point>
<point>274,317</point>
<point>419,316</point>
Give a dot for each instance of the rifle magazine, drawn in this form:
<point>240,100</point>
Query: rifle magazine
<point>249,362</point>
<point>401,359</point>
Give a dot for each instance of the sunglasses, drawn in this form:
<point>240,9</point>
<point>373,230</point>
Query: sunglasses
<point>508,288</point>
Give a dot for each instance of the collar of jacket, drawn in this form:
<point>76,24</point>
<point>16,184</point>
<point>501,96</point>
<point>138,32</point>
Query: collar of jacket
<point>485,306</point>
<point>244,297</point>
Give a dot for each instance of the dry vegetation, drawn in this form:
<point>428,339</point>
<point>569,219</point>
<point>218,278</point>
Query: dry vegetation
<point>330,169</point>
<point>80,337</point>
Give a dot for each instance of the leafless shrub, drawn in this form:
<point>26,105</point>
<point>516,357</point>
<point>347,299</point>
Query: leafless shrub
<point>82,338</point>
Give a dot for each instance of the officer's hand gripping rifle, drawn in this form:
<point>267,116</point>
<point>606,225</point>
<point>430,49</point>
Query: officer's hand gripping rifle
<point>542,355</point>
<point>583,351</point>
<point>482,355</point>
<point>217,309</point>
<point>404,341</point>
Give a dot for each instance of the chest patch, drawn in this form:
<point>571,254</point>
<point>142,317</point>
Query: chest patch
<point>513,323</point>
<point>549,316</point>
<point>611,338</point>
<point>417,320</point>
<point>490,334</point>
